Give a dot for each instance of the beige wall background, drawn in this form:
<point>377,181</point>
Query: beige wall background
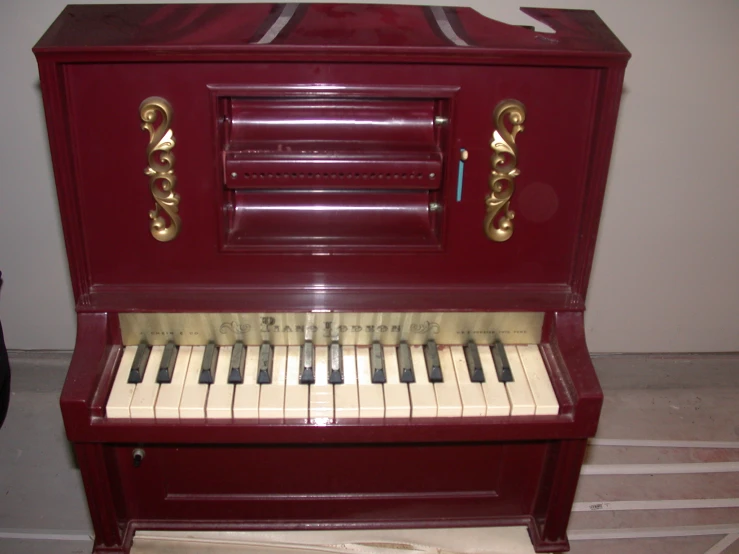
<point>666,274</point>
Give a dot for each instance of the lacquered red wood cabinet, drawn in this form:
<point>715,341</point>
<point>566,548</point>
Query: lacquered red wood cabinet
<point>328,159</point>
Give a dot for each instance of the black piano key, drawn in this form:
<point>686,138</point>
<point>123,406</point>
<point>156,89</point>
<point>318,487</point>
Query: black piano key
<point>433,364</point>
<point>405,364</point>
<point>307,374</point>
<point>136,373</point>
<point>208,367</point>
<point>502,367</point>
<point>474,365</point>
<point>236,367</point>
<point>264,368</point>
<point>336,365</point>
<point>377,361</point>
<point>166,366</point>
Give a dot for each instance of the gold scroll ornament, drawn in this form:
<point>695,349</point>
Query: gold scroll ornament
<point>499,217</point>
<point>156,117</point>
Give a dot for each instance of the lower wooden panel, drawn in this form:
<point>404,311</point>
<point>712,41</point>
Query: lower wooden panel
<point>334,485</point>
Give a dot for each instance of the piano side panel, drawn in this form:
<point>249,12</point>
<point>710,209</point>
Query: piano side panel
<point>556,494</point>
<point>104,495</point>
<point>93,353</point>
<point>58,126</point>
<point>114,192</point>
<point>571,351</point>
<point>607,113</point>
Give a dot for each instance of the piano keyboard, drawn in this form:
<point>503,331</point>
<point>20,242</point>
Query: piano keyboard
<point>330,382</point>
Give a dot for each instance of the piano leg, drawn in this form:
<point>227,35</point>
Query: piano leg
<point>548,530</point>
<point>108,536</point>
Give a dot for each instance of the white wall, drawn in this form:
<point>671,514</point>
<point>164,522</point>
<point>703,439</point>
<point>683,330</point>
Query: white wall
<point>666,275</point>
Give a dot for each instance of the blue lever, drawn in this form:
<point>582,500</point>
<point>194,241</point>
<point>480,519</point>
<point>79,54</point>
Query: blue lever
<point>463,154</point>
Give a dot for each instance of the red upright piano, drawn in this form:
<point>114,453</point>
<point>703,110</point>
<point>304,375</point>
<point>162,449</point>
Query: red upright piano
<point>329,262</point>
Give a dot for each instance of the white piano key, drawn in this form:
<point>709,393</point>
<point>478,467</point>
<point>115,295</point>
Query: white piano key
<point>397,401</point>
<point>145,395</point>
<point>519,393</point>
<point>538,378</point>
<point>448,401</point>
<point>246,394</point>
<point>423,397</point>
<point>346,395</point>
<point>194,395</point>
<point>296,394</point>
<point>121,393</point>
<point>168,401</point>
<point>272,395</point>
<point>496,397</point>
<point>321,394</point>
<point>220,395</point>
<point>371,400</point>
<point>473,400</point>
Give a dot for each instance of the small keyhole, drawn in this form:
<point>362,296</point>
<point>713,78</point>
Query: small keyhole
<point>138,456</point>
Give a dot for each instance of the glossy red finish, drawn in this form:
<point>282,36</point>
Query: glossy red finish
<point>333,125</point>
<point>543,252</point>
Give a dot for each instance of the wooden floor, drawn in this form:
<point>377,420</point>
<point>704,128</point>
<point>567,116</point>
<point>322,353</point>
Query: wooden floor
<point>662,475</point>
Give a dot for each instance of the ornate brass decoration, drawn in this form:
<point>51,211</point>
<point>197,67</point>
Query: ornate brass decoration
<point>156,117</point>
<point>197,329</point>
<point>503,172</point>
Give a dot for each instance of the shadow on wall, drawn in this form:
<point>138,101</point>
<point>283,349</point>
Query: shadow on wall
<point>4,372</point>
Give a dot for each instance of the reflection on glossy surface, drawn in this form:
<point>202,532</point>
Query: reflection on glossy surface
<point>378,119</point>
<point>375,219</point>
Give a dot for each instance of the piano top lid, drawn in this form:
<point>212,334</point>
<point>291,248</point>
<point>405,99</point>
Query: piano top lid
<point>330,31</point>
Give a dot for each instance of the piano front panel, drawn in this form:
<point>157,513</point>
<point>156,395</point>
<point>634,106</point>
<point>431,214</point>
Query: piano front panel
<point>230,235</point>
<point>329,485</point>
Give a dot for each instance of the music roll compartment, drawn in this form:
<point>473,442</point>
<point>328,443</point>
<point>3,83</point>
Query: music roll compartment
<point>315,169</point>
